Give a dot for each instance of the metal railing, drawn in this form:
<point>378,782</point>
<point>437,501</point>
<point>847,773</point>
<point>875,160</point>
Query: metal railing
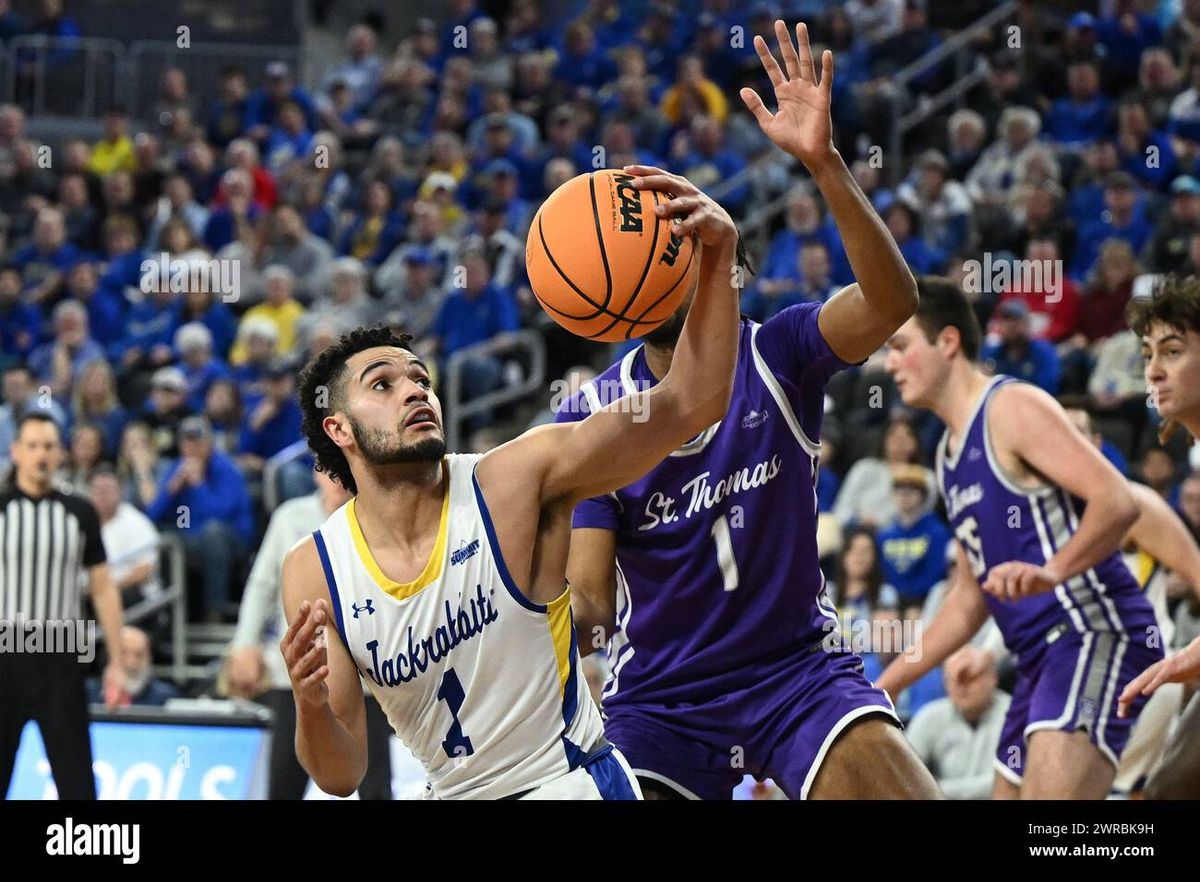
<point>85,76</point>
<point>81,74</point>
<point>173,598</point>
<point>270,476</point>
<point>511,344</point>
<point>966,77</point>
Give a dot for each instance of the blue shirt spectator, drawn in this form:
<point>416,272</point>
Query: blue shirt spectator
<point>219,495</point>
<point>475,313</point>
<point>913,554</point>
<point>1018,354</point>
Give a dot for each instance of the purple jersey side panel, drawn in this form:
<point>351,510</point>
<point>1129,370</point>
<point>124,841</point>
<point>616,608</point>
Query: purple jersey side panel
<point>996,521</point>
<point>717,560</point>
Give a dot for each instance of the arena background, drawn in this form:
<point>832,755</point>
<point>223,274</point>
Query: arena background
<point>381,162</point>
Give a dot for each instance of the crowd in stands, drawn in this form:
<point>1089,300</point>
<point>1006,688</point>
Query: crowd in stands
<point>399,184</point>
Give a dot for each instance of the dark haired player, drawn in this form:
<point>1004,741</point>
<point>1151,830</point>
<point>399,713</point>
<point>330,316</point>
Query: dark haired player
<point>1169,324</point>
<point>445,575</point>
<point>705,571</point>
<point>1039,515</point>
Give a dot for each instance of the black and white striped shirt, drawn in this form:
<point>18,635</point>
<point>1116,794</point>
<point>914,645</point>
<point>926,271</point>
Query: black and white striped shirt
<point>46,545</point>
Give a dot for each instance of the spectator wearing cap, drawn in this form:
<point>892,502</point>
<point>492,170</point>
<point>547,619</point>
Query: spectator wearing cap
<point>1167,251</point>
<point>1122,219</point>
<point>361,69</point>
<point>290,140</point>
<point>503,190</point>
<point>1085,114</point>
<point>912,549</point>
<point>942,203</point>
<point>114,151</point>
<point>200,365</point>
<point>441,188</point>
<point>582,63</point>
<point>866,496</point>
<point>1125,33</point>
<point>374,230</point>
<point>413,298</point>
<point>45,260</point>
<point>266,102</point>
<point>59,361</point>
<point>272,421</point>
<point>424,234</point>
<point>1054,310</point>
<point>498,105</point>
<point>204,499</point>
<point>166,407</point>
<point>20,322</point>
<point>504,250</point>
<point>1018,353</point>
<point>1137,143</point>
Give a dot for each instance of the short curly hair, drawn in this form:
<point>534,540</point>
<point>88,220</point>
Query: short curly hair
<point>323,380</point>
<point>1175,301</point>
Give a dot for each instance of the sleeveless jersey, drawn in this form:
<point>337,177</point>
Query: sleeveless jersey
<point>482,684</point>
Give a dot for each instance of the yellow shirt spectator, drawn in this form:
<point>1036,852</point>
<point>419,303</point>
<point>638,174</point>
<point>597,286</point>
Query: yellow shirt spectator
<point>283,316</point>
<point>111,156</point>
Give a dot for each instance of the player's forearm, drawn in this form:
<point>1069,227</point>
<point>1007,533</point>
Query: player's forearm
<point>328,752</point>
<point>1160,533</point>
<point>700,380</point>
<point>955,623</point>
<point>879,269</point>
<point>1110,513</point>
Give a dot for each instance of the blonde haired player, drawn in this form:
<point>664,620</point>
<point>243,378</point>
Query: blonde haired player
<point>445,575</point>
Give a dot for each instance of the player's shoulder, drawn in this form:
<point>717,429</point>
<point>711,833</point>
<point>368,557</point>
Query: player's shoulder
<point>303,570</point>
<point>606,387</point>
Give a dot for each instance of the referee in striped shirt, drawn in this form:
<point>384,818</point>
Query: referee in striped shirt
<point>49,546</point>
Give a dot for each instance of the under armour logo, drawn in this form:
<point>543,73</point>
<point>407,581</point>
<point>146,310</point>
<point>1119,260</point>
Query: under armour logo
<point>370,610</point>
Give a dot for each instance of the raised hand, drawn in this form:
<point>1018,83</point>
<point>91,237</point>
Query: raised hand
<point>801,124</point>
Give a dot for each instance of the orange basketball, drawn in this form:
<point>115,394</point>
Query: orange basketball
<point>602,263</point>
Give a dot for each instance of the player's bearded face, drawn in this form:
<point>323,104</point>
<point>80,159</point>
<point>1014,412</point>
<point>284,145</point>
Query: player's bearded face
<point>386,445</point>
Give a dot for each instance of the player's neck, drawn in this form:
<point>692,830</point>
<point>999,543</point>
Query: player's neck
<point>658,359</point>
<point>963,389</point>
<point>402,501</point>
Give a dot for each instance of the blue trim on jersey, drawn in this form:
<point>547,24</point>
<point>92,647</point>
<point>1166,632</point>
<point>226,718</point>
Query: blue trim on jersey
<point>576,756</point>
<point>610,776</point>
<point>323,553</point>
<point>571,689</point>
<point>505,577</point>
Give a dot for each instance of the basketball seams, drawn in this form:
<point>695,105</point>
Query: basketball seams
<point>600,242</point>
<point>686,269</point>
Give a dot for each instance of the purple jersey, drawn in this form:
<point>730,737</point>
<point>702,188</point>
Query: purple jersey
<point>717,566</point>
<point>995,521</point>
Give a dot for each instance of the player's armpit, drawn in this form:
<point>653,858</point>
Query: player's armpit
<point>331,741</point>
<point>592,575</point>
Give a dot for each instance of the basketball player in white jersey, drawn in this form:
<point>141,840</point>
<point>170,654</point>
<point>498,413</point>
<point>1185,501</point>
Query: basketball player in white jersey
<point>444,576</point>
<point>1169,324</point>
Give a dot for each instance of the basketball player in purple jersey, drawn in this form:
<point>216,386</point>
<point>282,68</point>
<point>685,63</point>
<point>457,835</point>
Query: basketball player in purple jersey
<point>1169,324</point>
<point>705,571</point>
<point>1039,515</point>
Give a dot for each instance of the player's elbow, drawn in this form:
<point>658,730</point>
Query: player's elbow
<point>1125,509</point>
<point>340,782</point>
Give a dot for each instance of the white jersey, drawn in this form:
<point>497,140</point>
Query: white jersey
<point>482,684</point>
